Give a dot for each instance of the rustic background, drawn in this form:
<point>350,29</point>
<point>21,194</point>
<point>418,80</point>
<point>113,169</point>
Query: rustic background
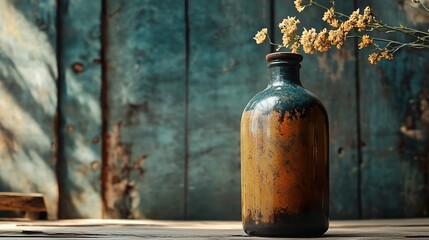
<point>131,108</point>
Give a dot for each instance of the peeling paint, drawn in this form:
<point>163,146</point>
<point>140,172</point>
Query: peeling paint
<point>409,130</point>
<point>424,108</point>
<point>95,165</point>
<point>78,67</point>
<point>70,128</point>
<point>230,66</point>
<point>121,193</point>
<point>415,13</point>
<point>95,140</point>
<point>335,73</point>
<point>412,133</point>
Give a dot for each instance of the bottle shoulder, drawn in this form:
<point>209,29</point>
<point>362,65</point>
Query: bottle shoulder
<point>285,98</point>
<point>289,95</point>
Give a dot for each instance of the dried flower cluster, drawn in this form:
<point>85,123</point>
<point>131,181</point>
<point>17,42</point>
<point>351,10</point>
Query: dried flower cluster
<point>366,41</point>
<point>261,36</point>
<point>341,27</point>
<point>375,57</point>
<point>298,5</point>
<point>329,17</point>
<point>288,28</point>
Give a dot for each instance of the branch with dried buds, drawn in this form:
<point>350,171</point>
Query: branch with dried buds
<point>342,27</point>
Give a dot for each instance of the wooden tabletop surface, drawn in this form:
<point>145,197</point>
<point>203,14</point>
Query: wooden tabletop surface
<point>152,229</point>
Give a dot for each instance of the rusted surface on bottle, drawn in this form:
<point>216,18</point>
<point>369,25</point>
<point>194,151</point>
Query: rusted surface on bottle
<point>284,152</point>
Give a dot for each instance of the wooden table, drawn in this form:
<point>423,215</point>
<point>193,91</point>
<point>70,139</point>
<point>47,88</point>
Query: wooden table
<point>151,229</point>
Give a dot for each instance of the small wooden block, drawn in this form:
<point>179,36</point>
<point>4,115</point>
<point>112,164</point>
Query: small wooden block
<point>32,203</point>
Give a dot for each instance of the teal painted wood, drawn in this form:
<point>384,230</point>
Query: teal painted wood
<point>144,165</point>
<point>80,109</point>
<point>226,69</point>
<point>28,99</point>
<point>331,77</point>
<point>395,97</point>
<point>146,85</point>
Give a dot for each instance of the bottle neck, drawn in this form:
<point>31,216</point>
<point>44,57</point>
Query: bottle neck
<point>284,73</point>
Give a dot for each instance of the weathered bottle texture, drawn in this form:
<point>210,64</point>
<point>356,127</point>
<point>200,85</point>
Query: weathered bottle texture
<point>284,156</point>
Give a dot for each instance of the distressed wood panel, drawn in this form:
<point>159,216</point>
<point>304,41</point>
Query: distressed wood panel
<point>331,77</point>
<point>28,98</point>
<point>33,202</point>
<point>417,228</point>
<point>395,97</point>
<point>227,230</point>
<point>80,109</point>
<point>226,68</point>
<point>144,165</point>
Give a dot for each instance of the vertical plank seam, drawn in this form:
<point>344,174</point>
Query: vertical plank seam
<point>358,125</point>
<point>59,119</point>
<point>186,124</point>
<point>272,17</point>
<point>104,105</point>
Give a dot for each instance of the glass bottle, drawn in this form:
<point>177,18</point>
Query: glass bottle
<point>284,156</point>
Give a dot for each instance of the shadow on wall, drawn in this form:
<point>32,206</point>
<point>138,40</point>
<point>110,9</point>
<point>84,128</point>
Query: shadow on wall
<point>28,100</point>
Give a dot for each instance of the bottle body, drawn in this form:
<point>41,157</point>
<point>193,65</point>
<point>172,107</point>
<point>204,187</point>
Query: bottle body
<point>284,161</point>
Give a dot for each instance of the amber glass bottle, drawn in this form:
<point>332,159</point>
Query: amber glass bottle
<point>284,156</point>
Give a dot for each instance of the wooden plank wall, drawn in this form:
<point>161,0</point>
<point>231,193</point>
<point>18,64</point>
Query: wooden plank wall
<point>145,88</point>
<point>150,95</point>
<point>28,98</point>
<point>225,70</point>
<point>79,59</point>
<point>394,119</point>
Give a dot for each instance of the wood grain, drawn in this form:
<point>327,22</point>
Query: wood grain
<point>33,202</point>
<point>331,77</point>
<point>395,125</point>
<point>28,99</point>
<point>145,87</point>
<point>80,109</point>
<point>226,68</point>
<point>149,229</point>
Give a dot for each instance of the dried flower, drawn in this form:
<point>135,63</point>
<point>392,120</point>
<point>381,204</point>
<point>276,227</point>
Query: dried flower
<point>329,17</point>
<point>376,57</point>
<point>295,47</point>
<point>347,26</point>
<point>366,41</point>
<point>337,37</point>
<point>385,54</point>
<point>373,58</point>
<point>343,27</point>
<point>298,5</point>
<point>353,18</point>
<point>321,43</point>
<point>307,40</point>
<point>365,19</point>
<point>289,24</point>
<point>260,36</point>
<point>289,27</point>
<point>367,12</point>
